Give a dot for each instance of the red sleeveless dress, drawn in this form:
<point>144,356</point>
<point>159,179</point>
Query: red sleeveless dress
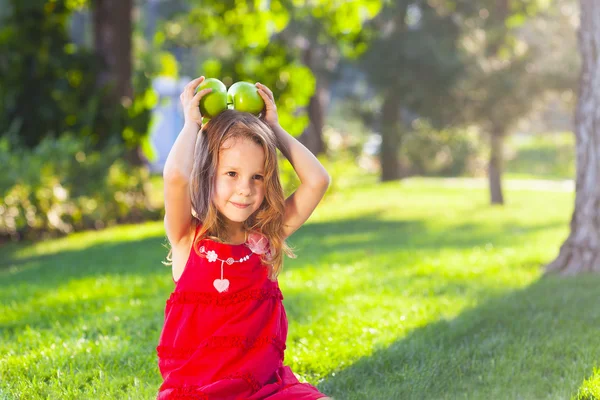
<point>228,344</point>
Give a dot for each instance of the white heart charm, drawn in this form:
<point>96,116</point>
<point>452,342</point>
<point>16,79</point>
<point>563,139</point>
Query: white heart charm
<point>221,285</point>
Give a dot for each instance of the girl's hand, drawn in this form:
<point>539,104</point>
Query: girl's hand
<point>191,102</point>
<point>270,113</point>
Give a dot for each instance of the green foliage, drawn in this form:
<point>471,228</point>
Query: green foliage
<point>415,57</point>
<point>512,62</point>
<point>264,41</point>
<point>337,26</point>
<point>135,130</point>
<point>245,24</point>
<point>237,38</point>
<point>590,390</point>
<point>64,186</point>
<point>292,83</point>
<point>48,85</point>
<point>249,41</point>
<point>168,65</point>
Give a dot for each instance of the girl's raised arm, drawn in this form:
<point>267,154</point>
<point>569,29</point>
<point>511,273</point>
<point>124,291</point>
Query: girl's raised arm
<point>178,167</point>
<point>313,177</point>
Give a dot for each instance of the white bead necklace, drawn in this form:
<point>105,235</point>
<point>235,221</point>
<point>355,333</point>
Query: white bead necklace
<point>222,284</point>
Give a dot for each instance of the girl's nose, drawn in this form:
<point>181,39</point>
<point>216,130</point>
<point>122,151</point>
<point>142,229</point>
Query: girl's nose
<point>244,188</point>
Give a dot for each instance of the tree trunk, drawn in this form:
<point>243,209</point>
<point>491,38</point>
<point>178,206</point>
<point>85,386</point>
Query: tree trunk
<point>390,138</point>
<point>495,164</point>
<point>112,43</point>
<point>498,131</point>
<point>391,127</point>
<point>581,251</point>
<point>312,137</point>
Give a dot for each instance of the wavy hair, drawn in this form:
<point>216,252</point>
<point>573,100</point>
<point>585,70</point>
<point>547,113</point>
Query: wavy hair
<point>268,219</point>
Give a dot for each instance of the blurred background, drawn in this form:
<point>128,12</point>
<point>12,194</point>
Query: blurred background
<point>447,127</point>
<point>379,90</point>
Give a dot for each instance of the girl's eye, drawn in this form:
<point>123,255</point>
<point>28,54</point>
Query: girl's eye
<point>232,174</point>
<point>258,177</point>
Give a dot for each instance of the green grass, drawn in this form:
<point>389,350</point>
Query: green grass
<point>547,156</point>
<point>590,390</point>
<point>409,290</point>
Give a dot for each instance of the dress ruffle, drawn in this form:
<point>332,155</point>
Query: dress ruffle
<point>222,342</point>
<point>224,299</point>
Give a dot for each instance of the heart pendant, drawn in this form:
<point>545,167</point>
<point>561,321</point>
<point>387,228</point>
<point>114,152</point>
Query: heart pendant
<point>221,285</point>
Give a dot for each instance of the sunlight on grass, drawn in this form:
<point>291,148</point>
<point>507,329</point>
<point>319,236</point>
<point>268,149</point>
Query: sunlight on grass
<point>84,240</point>
<point>590,390</point>
<point>409,289</point>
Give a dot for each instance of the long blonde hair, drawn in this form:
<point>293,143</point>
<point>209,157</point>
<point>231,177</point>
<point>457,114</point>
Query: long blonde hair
<point>268,219</point>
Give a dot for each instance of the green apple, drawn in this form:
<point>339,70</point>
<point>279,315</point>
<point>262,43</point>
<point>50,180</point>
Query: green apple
<point>213,103</point>
<point>243,96</point>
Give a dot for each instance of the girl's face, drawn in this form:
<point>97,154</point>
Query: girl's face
<point>239,184</point>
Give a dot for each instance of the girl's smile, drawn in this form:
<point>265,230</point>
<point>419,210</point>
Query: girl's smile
<point>239,183</point>
<point>240,205</point>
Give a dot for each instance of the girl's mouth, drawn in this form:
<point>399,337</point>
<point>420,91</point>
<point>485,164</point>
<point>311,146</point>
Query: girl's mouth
<point>238,205</point>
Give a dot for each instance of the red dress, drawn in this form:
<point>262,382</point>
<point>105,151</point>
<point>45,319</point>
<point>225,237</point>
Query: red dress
<point>226,345</point>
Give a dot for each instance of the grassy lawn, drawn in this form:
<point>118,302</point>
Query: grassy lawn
<point>547,156</point>
<point>411,290</point>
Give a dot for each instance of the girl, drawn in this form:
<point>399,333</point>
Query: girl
<point>227,220</point>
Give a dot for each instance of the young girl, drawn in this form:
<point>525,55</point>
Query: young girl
<point>227,221</point>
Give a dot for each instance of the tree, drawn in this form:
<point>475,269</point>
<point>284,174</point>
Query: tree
<point>51,85</point>
<point>238,40</point>
<point>414,63</point>
<point>325,32</point>
<point>291,46</point>
<point>112,44</point>
<point>458,63</point>
<point>581,250</point>
<point>500,86</point>
<point>47,83</point>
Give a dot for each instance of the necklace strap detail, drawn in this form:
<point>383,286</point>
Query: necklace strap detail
<point>212,256</point>
<point>222,284</point>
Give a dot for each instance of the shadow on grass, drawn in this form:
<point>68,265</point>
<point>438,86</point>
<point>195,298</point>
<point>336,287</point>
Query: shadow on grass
<point>37,278</point>
<point>516,346</point>
<point>316,241</point>
<point>49,271</point>
<point>320,238</point>
<point>371,235</point>
<point>537,343</point>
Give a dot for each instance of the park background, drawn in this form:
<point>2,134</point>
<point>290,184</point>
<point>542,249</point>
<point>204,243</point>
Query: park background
<point>447,127</point>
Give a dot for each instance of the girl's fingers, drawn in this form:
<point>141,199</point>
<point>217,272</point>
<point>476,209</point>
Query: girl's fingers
<point>200,94</point>
<point>195,82</point>
<point>269,93</point>
<point>265,97</point>
<point>191,87</point>
<point>262,87</point>
<point>188,90</point>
